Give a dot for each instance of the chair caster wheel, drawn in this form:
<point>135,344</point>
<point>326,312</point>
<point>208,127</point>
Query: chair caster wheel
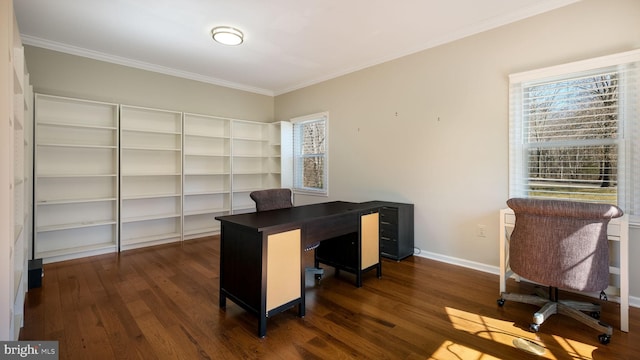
<point>595,314</point>
<point>604,339</point>
<point>500,302</point>
<point>534,327</point>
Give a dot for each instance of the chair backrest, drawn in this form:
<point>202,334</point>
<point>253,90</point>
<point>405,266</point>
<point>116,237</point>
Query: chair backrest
<point>271,199</point>
<point>561,243</point>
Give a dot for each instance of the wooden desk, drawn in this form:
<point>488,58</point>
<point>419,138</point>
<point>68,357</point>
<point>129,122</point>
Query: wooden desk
<point>261,253</point>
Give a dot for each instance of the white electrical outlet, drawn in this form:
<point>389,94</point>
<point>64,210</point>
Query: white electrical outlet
<point>481,231</point>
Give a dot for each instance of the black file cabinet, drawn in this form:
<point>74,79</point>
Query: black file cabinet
<point>396,229</point>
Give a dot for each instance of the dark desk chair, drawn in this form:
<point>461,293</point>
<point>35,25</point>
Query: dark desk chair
<point>561,244</point>
<point>272,199</point>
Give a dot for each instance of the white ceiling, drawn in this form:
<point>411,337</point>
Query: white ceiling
<point>288,44</point>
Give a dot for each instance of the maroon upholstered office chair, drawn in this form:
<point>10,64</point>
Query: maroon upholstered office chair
<point>273,199</point>
<point>563,245</point>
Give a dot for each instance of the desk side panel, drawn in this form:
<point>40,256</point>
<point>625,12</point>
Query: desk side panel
<point>284,270</point>
<point>405,230</point>
<point>370,232</point>
<point>241,265</point>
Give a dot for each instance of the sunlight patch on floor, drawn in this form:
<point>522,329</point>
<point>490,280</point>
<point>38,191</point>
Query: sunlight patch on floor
<point>487,328</point>
<point>503,332</point>
<point>451,350</point>
<point>574,348</point>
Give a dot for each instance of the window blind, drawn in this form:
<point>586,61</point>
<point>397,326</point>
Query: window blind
<point>574,132</point>
<point>310,160</point>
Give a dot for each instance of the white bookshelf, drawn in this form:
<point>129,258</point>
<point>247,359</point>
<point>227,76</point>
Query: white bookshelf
<point>150,177</point>
<point>224,161</point>
<point>280,151</point>
<point>20,238</point>
<point>114,177</point>
<point>207,173</point>
<point>16,155</point>
<point>249,163</point>
<point>76,178</point>
<point>28,167</point>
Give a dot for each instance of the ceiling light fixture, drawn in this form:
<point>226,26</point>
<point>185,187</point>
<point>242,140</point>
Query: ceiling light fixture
<point>227,35</point>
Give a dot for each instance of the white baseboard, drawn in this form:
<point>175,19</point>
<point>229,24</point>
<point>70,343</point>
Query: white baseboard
<point>633,301</point>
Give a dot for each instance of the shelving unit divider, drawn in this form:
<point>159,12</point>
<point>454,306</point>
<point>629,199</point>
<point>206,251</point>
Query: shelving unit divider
<point>248,163</point>
<point>150,176</point>
<point>207,173</point>
<point>76,178</point>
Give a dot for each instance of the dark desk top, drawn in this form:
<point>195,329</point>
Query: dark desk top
<point>272,219</point>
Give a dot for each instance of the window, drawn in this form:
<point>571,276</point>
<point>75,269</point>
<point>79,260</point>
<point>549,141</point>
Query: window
<point>573,132</point>
<point>310,154</point>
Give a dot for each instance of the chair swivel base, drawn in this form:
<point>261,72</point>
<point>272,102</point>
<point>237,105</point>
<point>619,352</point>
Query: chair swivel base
<point>573,309</point>
<point>316,271</point>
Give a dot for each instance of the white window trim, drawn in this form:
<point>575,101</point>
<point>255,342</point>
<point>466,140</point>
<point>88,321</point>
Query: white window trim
<point>583,65</point>
<point>310,117</point>
<point>631,136</point>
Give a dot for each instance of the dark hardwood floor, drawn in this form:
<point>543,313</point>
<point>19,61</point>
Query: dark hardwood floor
<point>162,303</point>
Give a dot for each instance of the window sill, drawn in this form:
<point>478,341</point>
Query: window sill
<point>310,193</point>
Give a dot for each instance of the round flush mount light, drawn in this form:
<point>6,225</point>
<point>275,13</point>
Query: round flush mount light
<point>227,35</point>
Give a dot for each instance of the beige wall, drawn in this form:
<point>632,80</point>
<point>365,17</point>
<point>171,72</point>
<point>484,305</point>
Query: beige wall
<point>62,74</point>
<point>432,128</point>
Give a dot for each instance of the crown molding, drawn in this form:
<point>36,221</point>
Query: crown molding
<point>96,55</point>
